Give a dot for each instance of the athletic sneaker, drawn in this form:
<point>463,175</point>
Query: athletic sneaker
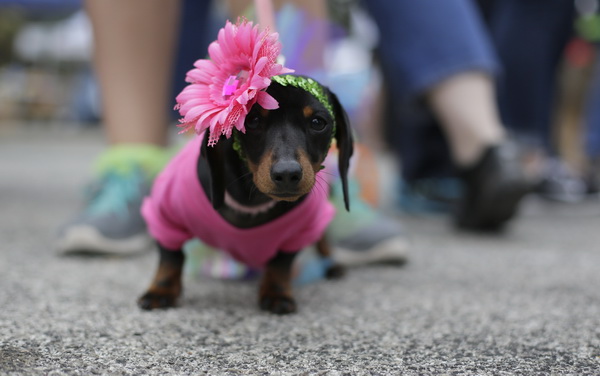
<point>429,195</point>
<point>561,183</point>
<point>365,235</point>
<point>111,222</point>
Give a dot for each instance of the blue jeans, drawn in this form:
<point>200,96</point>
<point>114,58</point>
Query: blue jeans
<point>423,42</point>
<point>197,30</point>
<point>530,36</point>
<point>592,133</point>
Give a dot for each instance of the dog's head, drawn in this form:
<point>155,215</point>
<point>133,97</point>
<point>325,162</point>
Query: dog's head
<point>285,148</point>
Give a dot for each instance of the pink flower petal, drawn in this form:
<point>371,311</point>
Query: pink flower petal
<point>266,101</point>
<point>242,51</point>
<point>199,76</point>
<point>216,54</point>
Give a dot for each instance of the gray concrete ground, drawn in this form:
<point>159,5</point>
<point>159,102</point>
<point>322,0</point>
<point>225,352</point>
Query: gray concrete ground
<point>526,303</point>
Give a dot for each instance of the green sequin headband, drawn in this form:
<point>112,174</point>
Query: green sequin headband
<point>309,85</point>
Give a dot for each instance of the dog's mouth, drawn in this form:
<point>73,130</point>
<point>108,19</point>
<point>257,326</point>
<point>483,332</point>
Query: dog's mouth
<point>285,196</point>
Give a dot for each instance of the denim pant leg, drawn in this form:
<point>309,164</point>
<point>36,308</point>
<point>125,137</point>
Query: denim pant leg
<point>530,36</point>
<point>196,32</point>
<point>592,131</point>
<point>423,42</point>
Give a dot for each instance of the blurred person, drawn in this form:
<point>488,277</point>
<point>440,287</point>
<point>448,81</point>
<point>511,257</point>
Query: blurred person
<point>133,50</point>
<point>530,38</point>
<point>437,52</point>
<point>134,53</point>
<point>592,133</point>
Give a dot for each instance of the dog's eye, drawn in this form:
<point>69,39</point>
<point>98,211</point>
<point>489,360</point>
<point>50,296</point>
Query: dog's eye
<point>252,122</point>
<point>318,124</point>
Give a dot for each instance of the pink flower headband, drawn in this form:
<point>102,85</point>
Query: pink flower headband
<point>222,90</point>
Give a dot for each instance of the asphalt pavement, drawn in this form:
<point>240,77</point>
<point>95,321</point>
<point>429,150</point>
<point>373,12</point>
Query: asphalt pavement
<point>526,302</point>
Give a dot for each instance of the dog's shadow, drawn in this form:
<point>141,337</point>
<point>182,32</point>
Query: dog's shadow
<point>236,297</point>
<point>218,294</point>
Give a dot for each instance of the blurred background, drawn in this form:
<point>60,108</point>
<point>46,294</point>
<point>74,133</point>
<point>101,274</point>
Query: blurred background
<point>45,58</point>
<point>46,78</point>
<point>519,300</point>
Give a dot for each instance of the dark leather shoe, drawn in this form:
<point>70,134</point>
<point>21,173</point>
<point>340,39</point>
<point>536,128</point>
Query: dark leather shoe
<point>493,189</point>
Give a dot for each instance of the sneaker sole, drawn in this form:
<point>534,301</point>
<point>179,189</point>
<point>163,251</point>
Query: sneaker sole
<point>87,240</point>
<point>390,251</point>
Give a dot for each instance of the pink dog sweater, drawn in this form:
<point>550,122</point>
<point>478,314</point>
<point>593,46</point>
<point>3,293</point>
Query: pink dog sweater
<point>178,210</point>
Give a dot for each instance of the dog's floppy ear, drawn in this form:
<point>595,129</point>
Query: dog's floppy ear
<point>215,157</point>
<point>343,136</point>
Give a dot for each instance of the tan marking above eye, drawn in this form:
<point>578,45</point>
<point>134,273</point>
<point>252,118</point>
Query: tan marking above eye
<point>264,113</point>
<point>308,111</point>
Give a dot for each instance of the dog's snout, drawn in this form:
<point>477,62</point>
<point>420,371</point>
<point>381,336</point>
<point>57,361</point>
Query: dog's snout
<point>286,174</point>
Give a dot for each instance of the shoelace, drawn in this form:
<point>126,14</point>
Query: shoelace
<point>115,192</point>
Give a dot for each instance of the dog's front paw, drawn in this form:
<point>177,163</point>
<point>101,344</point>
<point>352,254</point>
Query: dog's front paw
<point>153,300</point>
<point>335,271</point>
<point>278,304</point>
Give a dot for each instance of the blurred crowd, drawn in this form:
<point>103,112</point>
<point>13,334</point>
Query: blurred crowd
<point>461,107</point>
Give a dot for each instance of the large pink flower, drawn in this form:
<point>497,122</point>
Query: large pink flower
<point>223,89</point>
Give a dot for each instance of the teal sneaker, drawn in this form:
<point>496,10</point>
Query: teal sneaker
<point>429,195</point>
<point>111,222</point>
<point>365,235</point>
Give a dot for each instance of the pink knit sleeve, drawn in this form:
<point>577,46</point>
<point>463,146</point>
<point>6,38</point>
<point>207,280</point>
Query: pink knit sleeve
<point>163,220</point>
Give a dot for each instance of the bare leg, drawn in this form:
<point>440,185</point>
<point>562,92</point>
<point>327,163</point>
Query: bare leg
<point>134,48</point>
<point>466,108</point>
<point>493,177</point>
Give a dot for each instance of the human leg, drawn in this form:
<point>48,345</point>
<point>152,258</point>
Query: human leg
<point>489,167</point>
<point>529,37</point>
<point>452,68</point>
<point>592,133</point>
<point>134,45</point>
<point>527,91</point>
<point>466,105</point>
<point>134,50</point>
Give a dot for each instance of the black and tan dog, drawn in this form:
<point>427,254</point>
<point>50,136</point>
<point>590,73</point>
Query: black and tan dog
<point>276,159</point>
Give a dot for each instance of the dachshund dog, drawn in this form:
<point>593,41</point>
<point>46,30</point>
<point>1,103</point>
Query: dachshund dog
<point>252,180</point>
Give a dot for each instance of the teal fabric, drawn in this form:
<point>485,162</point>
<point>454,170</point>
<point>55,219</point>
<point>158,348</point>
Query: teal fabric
<point>116,192</point>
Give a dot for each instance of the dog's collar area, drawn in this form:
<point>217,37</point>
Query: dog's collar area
<point>250,210</point>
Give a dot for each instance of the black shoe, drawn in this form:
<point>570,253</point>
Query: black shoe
<point>493,188</point>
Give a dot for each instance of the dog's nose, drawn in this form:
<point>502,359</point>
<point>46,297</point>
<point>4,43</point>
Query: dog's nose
<point>286,174</point>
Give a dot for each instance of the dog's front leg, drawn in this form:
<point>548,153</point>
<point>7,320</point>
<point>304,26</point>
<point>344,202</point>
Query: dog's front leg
<point>166,286</point>
<point>276,287</point>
